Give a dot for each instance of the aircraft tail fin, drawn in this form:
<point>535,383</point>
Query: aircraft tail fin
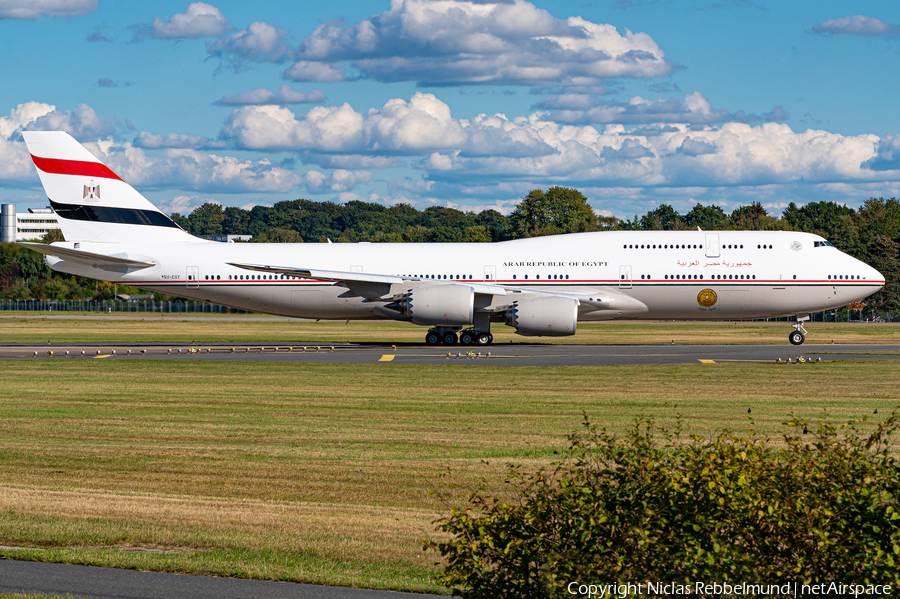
<point>92,202</point>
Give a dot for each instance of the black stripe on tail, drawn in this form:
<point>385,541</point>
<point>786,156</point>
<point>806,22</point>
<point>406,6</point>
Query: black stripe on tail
<point>106,214</point>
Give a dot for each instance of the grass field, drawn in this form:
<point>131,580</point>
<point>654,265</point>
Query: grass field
<point>177,328</point>
<point>321,473</point>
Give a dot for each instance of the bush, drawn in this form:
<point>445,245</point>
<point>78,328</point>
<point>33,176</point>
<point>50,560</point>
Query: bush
<point>657,507</point>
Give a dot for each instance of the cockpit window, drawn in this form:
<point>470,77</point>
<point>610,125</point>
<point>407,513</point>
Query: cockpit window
<point>822,244</point>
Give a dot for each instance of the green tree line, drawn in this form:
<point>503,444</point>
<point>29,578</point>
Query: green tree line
<point>871,233</point>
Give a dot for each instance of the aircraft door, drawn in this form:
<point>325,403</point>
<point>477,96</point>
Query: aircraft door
<point>490,273</point>
<point>193,277</point>
<point>624,277</point>
<point>712,245</point>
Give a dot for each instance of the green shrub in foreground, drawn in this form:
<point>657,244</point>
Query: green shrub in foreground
<point>820,507</point>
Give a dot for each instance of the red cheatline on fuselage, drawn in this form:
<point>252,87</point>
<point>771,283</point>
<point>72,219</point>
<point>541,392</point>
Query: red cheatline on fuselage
<point>57,166</point>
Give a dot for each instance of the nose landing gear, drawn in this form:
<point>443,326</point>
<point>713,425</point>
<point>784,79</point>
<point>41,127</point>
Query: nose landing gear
<point>798,335</point>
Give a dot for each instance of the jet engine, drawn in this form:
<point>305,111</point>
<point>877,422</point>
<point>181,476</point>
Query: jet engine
<point>550,315</point>
<point>445,305</point>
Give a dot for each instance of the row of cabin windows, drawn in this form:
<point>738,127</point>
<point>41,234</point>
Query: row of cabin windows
<point>688,246</point>
<point>752,277</point>
<point>713,277</point>
<point>548,277</point>
<point>719,277</point>
<point>251,278</point>
<point>700,277</point>
<point>662,247</point>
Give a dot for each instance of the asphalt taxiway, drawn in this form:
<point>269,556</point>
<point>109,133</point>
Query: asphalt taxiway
<point>110,583</point>
<point>494,355</point>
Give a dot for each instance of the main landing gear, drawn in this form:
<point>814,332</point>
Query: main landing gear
<point>473,337</point>
<point>438,336</point>
<point>798,335</point>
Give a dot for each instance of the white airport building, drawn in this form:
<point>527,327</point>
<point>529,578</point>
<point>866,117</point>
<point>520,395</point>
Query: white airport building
<point>25,226</point>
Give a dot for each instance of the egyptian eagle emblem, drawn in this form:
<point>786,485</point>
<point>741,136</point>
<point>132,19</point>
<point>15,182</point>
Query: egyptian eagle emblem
<point>707,298</point>
<point>91,192</point>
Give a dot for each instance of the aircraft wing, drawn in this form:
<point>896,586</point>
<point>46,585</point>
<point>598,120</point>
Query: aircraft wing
<point>323,275</point>
<point>378,288</point>
<point>365,284</point>
<point>88,258</point>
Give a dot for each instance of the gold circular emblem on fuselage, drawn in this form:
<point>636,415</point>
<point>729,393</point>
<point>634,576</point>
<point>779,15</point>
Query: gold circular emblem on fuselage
<point>707,298</point>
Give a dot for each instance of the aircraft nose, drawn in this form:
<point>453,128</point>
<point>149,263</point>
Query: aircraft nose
<point>868,273</point>
<point>873,275</point>
<point>870,276</point>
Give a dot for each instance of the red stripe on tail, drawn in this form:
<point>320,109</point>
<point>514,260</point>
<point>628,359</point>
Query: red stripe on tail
<point>57,166</point>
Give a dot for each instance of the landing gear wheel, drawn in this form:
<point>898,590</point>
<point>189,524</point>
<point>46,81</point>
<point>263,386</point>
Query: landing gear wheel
<point>432,338</point>
<point>797,338</point>
<point>467,338</point>
<point>483,339</point>
<point>449,338</point>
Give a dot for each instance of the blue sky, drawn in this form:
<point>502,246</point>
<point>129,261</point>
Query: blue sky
<point>462,104</point>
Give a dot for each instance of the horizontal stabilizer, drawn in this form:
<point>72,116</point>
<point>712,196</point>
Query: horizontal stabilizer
<point>89,258</point>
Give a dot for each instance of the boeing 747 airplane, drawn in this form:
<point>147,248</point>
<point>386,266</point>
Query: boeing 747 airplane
<point>540,286</point>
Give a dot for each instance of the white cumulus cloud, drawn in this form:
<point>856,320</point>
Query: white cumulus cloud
<point>82,123</point>
<point>734,154</point>
<point>338,181</point>
<point>857,25</point>
<point>304,70</point>
<point>466,42</point>
<point>420,125</point>
<point>198,20</point>
<point>16,166</point>
<point>260,42</point>
<point>493,146</point>
<point>22,115</point>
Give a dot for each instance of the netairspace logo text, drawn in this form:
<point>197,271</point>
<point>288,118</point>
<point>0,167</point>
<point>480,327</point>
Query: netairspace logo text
<point>622,590</point>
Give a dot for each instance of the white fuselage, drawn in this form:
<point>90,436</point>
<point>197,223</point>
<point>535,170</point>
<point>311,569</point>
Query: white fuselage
<point>669,275</point>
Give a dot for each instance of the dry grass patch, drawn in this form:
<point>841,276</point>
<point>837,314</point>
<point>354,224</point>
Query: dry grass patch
<point>321,472</point>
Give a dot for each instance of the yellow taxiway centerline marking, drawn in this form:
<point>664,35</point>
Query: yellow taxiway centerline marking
<point>386,358</point>
<point>103,356</point>
<point>740,360</point>
<point>707,361</point>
